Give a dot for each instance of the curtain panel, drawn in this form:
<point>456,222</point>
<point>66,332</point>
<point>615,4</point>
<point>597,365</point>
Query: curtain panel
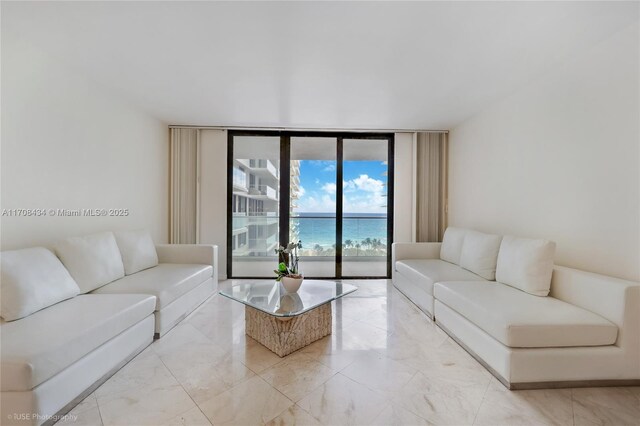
<point>183,226</point>
<point>431,186</point>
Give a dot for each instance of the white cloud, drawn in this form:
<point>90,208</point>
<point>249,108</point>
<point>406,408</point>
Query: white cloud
<point>348,186</point>
<point>301,191</point>
<point>329,188</point>
<point>365,183</point>
<point>364,194</point>
<point>324,204</point>
<point>326,165</point>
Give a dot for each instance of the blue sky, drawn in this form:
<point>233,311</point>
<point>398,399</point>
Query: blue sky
<point>364,187</point>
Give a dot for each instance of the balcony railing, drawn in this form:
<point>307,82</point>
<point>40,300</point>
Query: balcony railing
<point>264,164</point>
<point>239,178</point>
<point>363,236</point>
<point>265,190</point>
<point>244,220</point>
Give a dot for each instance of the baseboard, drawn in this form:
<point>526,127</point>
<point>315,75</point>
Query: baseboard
<point>575,384</point>
<point>93,387</point>
<point>560,384</point>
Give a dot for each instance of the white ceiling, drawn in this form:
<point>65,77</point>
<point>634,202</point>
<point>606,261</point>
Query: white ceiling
<point>356,65</point>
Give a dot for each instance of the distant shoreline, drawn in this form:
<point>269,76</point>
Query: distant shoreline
<point>332,215</point>
<point>360,230</point>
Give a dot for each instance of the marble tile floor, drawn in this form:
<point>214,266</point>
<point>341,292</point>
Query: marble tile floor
<point>386,363</point>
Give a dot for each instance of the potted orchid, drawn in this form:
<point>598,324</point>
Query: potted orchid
<point>288,271</point>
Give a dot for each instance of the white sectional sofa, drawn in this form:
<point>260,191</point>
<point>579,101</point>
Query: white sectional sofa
<point>70,322</point>
<point>530,323</point>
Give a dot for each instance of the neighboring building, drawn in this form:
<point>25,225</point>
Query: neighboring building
<point>255,205</point>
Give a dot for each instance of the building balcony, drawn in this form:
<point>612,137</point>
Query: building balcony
<point>239,180</point>
<point>264,168</point>
<point>263,192</point>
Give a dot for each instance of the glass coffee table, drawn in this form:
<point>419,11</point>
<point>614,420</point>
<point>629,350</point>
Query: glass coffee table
<point>285,322</point>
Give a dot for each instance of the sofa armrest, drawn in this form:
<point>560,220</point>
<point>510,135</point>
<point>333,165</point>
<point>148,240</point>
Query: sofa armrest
<point>203,254</point>
<point>400,251</point>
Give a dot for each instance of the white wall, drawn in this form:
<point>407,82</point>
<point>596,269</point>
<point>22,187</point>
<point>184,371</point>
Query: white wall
<point>560,159</point>
<point>68,143</point>
<point>213,193</point>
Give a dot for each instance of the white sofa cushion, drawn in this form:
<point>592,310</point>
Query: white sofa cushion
<point>425,272</point>
<point>41,345</point>
<point>480,253</point>
<point>137,250</point>
<point>520,320</point>
<point>526,264</point>
<point>167,281</point>
<point>452,241</point>
<point>93,260</point>
<point>32,279</point>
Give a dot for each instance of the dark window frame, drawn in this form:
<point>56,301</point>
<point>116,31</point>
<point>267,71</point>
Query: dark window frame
<point>284,189</point>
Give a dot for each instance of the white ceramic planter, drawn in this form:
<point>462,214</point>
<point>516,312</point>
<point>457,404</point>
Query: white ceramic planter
<point>291,285</point>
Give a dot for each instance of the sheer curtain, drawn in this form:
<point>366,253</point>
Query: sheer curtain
<point>431,186</point>
<point>183,226</point>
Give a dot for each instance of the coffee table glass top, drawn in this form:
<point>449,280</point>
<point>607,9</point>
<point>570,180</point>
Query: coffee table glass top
<point>271,297</point>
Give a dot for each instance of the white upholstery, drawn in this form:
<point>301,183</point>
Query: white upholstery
<point>173,313</point>
<point>41,345</point>
<point>166,282</point>
<point>480,253</point>
<point>517,319</point>
<point>415,293</point>
<point>526,264</point>
<point>426,272</point>
<point>31,280</point>
<point>58,392</point>
<point>92,261</point>
<point>203,254</point>
<point>51,357</point>
<point>452,242</point>
<point>137,250</point>
<point>401,251</point>
<point>526,366</point>
<point>588,330</point>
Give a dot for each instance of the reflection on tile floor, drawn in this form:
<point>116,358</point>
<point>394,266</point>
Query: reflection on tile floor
<point>386,363</point>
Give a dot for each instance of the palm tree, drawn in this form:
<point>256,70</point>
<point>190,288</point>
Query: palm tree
<point>318,248</point>
<point>357,248</point>
<point>348,243</point>
<point>367,242</point>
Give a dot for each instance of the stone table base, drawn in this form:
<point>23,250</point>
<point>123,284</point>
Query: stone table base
<point>284,335</point>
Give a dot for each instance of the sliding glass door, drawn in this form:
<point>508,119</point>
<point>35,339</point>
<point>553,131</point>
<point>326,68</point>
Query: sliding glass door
<point>365,221</point>
<point>313,203</point>
<point>329,190</point>
<point>253,233</point>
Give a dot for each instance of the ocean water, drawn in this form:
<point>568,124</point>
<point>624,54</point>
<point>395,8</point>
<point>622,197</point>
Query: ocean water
<point>320,228</point>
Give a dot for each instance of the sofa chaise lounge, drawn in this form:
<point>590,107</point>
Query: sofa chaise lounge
<point>530,323</point>
<point>70,322</point>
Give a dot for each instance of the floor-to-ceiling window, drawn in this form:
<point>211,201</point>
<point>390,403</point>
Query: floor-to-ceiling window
<point>329,190</point>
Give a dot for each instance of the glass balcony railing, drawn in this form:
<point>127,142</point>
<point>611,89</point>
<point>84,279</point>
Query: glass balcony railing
<point>239,178</point>
<point>266,220</point>
<point>265,190</point>
<point>264,164</point>
<point>363,236</point>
